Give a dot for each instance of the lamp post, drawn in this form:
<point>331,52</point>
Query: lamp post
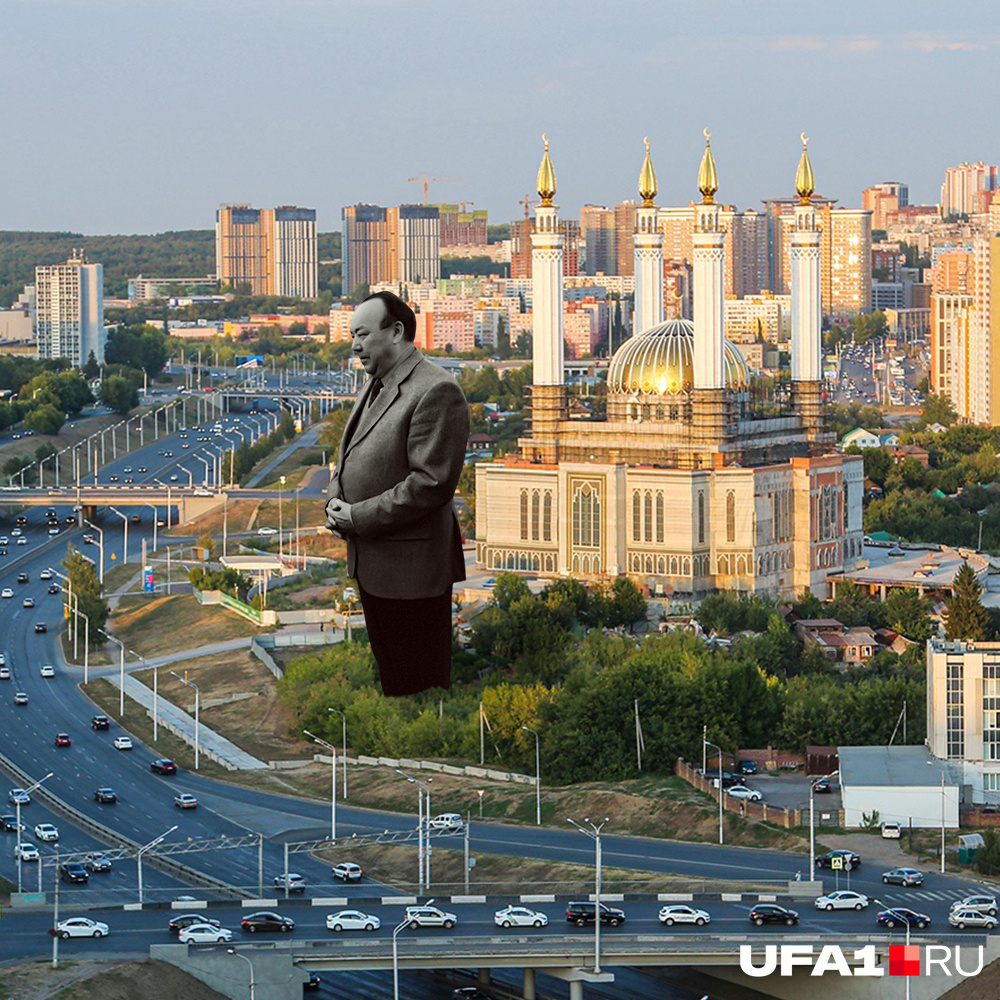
<point>709,743</point>
<point>395,959</point>
<point>901,916</point>
<point>156,517</point>
<point>156,694</point>
<point>197,717</point>
<point>931,764</point>
<point>343,744</point>
<point>142,851</point>
<point>595,834</point>
<point>233,951</point>
<point>423,854</point>
<point>538,777</point>
<point>17,805</point>
<point>115,510</point>
<point>333,780</point>
<point>121,674</point>
<point>281,523</point>
<point>100,546</point>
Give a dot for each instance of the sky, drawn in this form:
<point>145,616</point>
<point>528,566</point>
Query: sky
<point>138,116</point>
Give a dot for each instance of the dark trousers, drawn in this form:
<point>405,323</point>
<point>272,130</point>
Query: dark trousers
<point>411,640</point>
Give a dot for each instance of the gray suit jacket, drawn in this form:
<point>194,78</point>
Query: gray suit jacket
<point>398,467</point>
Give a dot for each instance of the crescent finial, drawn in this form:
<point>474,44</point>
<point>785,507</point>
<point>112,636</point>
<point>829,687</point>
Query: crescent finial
<point>645,142</point>
<point>805,139</point>
<point>706,134</point>
<point>545,139</point>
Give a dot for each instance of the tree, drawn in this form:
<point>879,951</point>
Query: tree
<point>92,368</point>
<point>966,618</point>
<point>878,465</point>
<point>45,419</point>
<point>907,612</point>
<point>88,594</point>
<point>937,410</point>
<point>119,394</point>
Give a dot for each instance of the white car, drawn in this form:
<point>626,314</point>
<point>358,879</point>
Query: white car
<point>682,914</point>
<point>742,792</point>
<point>267,531</point>
<point>352,920</point>
<point>26,851</point>
<point>429,916</point>
<point>53,530</point>
<point>296,882</point>
<point>446,821</point>
<point>971,918</point>
<point>3,660</point>
<point>519,916</point>
<point>16,533</point>
<point>984,904</point>
<point>4,673</point>
<point>46,832</point>
<point>47,670</point>
<point>82,927</point>
<point>891,831</point>
<point>6,592</point>
<point>123,743</point>
<point>204,933</point>
<point>347,871</point>
<point>185,800</point>
<point>46,574</point>
<point>24,541</point>
<point>843,899</point>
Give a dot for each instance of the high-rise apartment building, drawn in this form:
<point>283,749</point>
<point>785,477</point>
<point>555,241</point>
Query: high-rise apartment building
<point>883,199</point>
<point>520,247</point>
<point>962,185</point>
<point>624,237</point>
<point>69,310</point>
<point>390,244</point>
<point>597,230</point>
<point>271,251</point>
<point>461,228</point>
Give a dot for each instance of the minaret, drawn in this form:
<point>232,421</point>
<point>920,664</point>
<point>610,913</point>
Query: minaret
<point>648,253</point>
<point>807,351</point>
<point>548,391</point>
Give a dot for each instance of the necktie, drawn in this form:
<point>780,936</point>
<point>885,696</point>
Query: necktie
<point>376,389</point>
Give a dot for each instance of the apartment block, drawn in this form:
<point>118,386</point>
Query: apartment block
<point>597,231</point>
<point>962,186</point>
<point>764,317</point>
<point>399,244</point>
<point>460,228</point>
<point>69,310</point>
<point>883,200</point>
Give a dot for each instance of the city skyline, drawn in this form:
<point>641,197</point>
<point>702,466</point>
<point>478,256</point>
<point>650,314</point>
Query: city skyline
<point>176,110</point>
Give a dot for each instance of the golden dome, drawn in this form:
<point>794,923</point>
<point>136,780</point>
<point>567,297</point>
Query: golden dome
<point>546,176</point>
<point>708,177</point>
<point>647,179</point>
<point>805,183</point>
<point>661,362</point>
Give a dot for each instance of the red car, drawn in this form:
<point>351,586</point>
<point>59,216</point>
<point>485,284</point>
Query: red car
<point>63,740</point>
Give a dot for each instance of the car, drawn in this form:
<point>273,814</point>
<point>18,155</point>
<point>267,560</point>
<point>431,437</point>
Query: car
<point>176,924</point>
<point>313,982</point>
<point>447,821</point>
<point>53,530</point>
<point>163,766</point>
<point>127,469</point>
<point>100,722</point>
<point>53,588</point>
<point>8,824</point>
<point>20,698</point>
<point>112,479</point>
<point>4,673</point>
<point>742,792</point>
<point>267,531</point>
<point>849,859</point>
<point>823,785</point>
<point>842,899</point>
<point>772,913</point>
<point>971,918</point>
<point>142,468</point>
<point>727,779</point>
<point>173,478</point>
<point>106,796</point>
<point>25,851</point>
<point>6,592</point>
<point>47,670</point>
<point>82,927</point>
<point>347,871</point>
<point>746,767</point>
<point>296,882</point>
<point>3,660</point>
<point>17,532</point>
<point>63,740</point>
<point>4,540</point>
<point>22,578</point>
<point>984,904</point>
<point>123,743</point>
<point>202,493</point>
<point>265,920</point>
<point>681,914</point>
<point>21,541</point>
<point>429,916</point>
<point>18,796</point>
<point>21,520</point>
<point>41,628</point>
<point>28,602</point>
<point>89,540</point>
<point>185,800</point>
<point>581,913</point>
<point>46,832</point>
<point>900,916</point>
<point>204,933</point>
<point>891,831</point>
<point>73,871</point>
<point>519,916</point>
<point>352,920</point>
<point>96,862</point>
<point>903,876</point>
<point>46,574</point>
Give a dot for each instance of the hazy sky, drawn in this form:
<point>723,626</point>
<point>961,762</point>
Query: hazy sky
<point>143,115</point>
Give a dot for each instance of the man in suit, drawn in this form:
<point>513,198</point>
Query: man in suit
<point>391,497</point>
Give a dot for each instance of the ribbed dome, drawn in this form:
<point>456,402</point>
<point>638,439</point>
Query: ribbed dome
<point>660,362</point>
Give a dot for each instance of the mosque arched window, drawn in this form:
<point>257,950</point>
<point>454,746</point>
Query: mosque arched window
<point>547,516</point>
<point>636,516</point>
<point>586,517</point>
<point>524,514</point>
<point>659,517</point>
<point>648,517</point>
<point>730,516</point>
<point>701,518</point>
<point>535,514</point>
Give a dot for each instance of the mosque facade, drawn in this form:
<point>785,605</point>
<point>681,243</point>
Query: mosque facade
<point>700,478</point>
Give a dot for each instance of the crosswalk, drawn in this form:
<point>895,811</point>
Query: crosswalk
<point>930,897</point>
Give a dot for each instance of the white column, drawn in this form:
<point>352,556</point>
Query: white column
<point>807,350</point>
<point>547,298</point>
<point>709,294</point>
<point>648,271</point>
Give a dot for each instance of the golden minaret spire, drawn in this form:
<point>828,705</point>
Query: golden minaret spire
<point>647,178</point>
<point>805,183</point>
<point>708,177</point>
<point>546,176</point>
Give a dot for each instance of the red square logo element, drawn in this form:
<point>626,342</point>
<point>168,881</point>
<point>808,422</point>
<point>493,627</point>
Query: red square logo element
<point>904,960</point>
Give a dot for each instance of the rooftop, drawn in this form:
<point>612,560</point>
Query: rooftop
<point>892,766</point>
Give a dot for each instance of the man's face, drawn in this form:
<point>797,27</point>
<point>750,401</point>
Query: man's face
<point>378,349</point>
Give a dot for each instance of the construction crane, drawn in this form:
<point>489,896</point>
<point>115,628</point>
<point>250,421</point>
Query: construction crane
<point>527,202</point>
<point>464,203</point>
<point>424,179</point>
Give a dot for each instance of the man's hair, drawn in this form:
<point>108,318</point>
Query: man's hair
<point>396,311</point>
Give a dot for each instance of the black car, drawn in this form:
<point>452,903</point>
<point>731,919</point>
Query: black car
<point>265,920</point>
<point>583,913</point>
<point>822,785</point>
<point>849,859</point>
<point>100,722</point>
<point>163,766</point>
<point>22,577</point>
<point>313,982</point>
<point>105,795</point>
<point>771,913</point>
<point>41,627</point>
<point>746,766</point>
<point>900,916</point>
<point>73,872</point>
<point>8,824</point>
<point>177,924</point>
<point>728,779</point>
<point>53,588</point>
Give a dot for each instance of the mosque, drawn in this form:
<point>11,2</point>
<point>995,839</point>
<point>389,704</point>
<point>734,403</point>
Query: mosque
<point>700,478</point>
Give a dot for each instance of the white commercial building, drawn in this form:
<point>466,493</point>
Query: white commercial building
<point>69,311</point>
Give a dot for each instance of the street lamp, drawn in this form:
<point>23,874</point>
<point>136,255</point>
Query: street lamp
<point>595,834</point>
<point>930,763</point>
<point>197,716</point>
<point>233,951</point>
<point>538,777</point>
<point>121,674</point>
<point>156,694</point>
<point>901,916</point>
<point>281,490</point>
<point>343,743</point>
<point>333,780</point>
<point>17,804</point>
<point>114,510</point>
<point>142,851</point>
<point>709,743</point>
<point>395,959</point>
<point>100,545</point>
<point>812,821</point>
<point>423,854</point>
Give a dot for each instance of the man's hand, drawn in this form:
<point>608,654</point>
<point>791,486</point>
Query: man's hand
<point>338,517</point>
